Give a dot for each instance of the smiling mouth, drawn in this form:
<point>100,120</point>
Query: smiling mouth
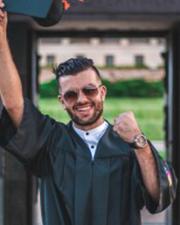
<point>83,108</point>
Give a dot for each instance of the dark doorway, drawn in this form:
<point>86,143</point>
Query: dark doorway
<point>136,62</point>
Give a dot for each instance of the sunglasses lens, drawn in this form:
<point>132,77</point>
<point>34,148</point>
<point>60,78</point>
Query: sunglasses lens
<point>90,91</point>
<point>70,96</point>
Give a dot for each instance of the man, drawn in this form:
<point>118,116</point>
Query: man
<point>92,173</point>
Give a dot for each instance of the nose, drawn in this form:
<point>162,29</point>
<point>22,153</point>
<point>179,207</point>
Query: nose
<point>81,97</point>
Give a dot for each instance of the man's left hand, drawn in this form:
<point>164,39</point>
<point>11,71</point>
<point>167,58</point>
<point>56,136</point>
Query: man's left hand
<point>126,126</point>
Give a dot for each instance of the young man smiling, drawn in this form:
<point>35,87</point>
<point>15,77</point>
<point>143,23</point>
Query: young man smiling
<point>82,93</point>
<point>92,172</point>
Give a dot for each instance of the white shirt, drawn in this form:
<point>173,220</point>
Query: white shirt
<point>92,137</point>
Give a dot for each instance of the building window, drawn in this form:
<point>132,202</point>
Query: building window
<point>80,56</point>
<point>109,60</point>
<point>50,40</point>
<point>50,60</point>
<point>80,40</point>
<point>110,40</point>
<point>139,60</point>
<point>139,40</point>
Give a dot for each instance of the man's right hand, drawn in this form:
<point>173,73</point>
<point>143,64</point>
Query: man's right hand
<point>3,21</point>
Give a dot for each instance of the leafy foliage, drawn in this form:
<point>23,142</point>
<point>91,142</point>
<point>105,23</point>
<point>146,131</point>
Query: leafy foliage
<point>49,89</point>
<point>128,88</point>
<point>135,88</point>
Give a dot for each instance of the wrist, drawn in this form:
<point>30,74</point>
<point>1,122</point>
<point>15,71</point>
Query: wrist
<point>139,142</point>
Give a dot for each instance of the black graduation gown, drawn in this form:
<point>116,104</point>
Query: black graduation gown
<point>76,190</point>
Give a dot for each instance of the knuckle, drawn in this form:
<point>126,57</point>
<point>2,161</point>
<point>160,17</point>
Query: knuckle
<point>120,126</point>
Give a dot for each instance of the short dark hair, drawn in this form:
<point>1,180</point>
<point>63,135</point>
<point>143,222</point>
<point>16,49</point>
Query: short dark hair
<point>73,66</point>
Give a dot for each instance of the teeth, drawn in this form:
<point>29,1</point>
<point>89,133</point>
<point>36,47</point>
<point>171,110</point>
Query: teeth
<point>83,108</point>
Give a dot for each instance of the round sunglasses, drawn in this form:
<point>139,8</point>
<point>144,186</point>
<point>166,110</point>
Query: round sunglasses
<point>73,95</point>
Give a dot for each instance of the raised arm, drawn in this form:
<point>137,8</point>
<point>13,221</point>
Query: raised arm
<point>10,84</point>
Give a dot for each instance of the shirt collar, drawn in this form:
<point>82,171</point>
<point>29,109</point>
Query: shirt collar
<point>93,132</point>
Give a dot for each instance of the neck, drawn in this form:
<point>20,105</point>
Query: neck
<point>91,126</point>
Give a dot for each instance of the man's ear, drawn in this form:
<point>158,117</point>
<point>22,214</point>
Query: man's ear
<point>60,98</point>
<point>104,92</point>
<point>61,101</point>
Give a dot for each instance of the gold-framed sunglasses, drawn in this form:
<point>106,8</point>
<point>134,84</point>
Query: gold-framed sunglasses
<point>89,91</point>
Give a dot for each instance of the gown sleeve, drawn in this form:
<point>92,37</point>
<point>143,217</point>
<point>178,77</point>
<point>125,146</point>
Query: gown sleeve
<point>167,185</point>
<point>30,142</point>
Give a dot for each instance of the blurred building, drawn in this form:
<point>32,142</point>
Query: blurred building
<point>109,52</point>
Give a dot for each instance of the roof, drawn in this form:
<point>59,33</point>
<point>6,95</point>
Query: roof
<point>126,6</point>
<point>126,15</point>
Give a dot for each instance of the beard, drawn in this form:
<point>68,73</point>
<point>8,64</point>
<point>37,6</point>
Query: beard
<point>98,111</point>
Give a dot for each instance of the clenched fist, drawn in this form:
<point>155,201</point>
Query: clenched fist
<point>126,126</point>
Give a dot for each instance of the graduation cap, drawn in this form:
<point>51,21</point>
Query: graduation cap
<point>44,12</point>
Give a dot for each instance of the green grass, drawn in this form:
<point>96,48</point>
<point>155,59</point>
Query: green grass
<point>149,112</point>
